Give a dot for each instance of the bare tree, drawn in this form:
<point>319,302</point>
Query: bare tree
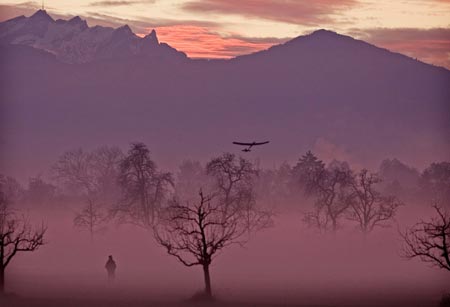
<point>16,235</point>
<point>144,188</point>
<point>195,233</point>
<point>92,218</point>
<point>11,189</point>
<point>430,240</point>
<point>234,181</point>
<point>330,188</point>
<point>435,183</point>
<point>368,207</point>
<point>232,175</point>
<point>274,186</point>
<point>90,173</point>
<point>94,176</point>
<point>74,170</point>
<point>40,192</point>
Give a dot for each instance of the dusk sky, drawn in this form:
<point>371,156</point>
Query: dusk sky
<point>226,28</point>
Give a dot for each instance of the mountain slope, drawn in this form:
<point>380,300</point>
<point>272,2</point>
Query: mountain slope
<point>341,97</point>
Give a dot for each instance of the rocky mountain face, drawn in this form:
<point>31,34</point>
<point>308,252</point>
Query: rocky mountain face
<point>73,41</point>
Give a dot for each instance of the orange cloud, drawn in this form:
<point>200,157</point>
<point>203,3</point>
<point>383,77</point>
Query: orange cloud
<point>201,42</point>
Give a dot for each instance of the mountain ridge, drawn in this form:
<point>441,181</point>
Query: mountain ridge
<point>72,50</point>
<point>340,97</point>
<point>73,41</point>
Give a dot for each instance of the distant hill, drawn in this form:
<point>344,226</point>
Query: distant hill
<point>338,96</point>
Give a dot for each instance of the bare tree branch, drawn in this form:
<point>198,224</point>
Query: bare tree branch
<point>16,235</point>
<point>429,240</point>
<point>368,207</point>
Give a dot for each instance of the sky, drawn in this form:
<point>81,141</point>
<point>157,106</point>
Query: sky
<point>227,28</point>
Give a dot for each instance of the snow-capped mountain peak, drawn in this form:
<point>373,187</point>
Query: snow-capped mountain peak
<point>73,41</point>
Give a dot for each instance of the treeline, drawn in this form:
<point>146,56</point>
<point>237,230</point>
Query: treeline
<point>202,209</point>
<point>100,186</point>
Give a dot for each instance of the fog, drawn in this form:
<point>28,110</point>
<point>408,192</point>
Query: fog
<point>287,263</point>
<point>346,156</point>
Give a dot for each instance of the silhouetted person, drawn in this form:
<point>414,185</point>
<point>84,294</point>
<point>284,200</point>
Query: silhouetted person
<point>111,268</point>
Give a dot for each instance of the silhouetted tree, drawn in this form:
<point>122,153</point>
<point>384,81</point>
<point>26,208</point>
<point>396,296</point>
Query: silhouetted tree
<point>231,175</point>
<point>16,235</point>
<point>40,192</point>
<point>92,218</point>
<point>329,186</point>
<point>195,232</point>
<point>106,164</point>
<point>94,175</point>
<point>11,189</point>
<point>74,169</point>
<point>234,180</point>
<point>308,173</point>
<point>430,240</point>
<point>369,208</point>
<point>435,183</point>
<point>395,170</point>
<point>273,186</point>
<point>90,173</point>
<point>144,188</point>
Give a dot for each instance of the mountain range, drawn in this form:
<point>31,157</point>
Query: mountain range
<point>66,85</point>
<point>73,41</point>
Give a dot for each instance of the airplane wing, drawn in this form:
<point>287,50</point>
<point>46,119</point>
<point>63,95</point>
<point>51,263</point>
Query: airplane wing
<point>243,144</point>
<point>261,143</point>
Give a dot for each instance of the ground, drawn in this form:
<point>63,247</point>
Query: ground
<point>18,301</point>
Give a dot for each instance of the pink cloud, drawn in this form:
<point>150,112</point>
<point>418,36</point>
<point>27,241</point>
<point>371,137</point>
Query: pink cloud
<point>200,40</point>
<point>428,45</point>
<point>289,11</point>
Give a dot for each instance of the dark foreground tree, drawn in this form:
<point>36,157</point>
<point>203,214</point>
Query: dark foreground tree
<point>429,241</point>
<point>370,209</point>
<point>16,235</point>
<point>194,233</point>
<point>195,230</point>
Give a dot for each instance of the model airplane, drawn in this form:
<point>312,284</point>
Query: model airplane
<point>249,145</point>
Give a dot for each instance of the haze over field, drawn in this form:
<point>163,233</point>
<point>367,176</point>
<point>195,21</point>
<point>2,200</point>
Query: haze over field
<point>123,145</point>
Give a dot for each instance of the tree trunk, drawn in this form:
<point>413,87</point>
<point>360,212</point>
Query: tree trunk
<point>2,279</point>
<point>208,291</point>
